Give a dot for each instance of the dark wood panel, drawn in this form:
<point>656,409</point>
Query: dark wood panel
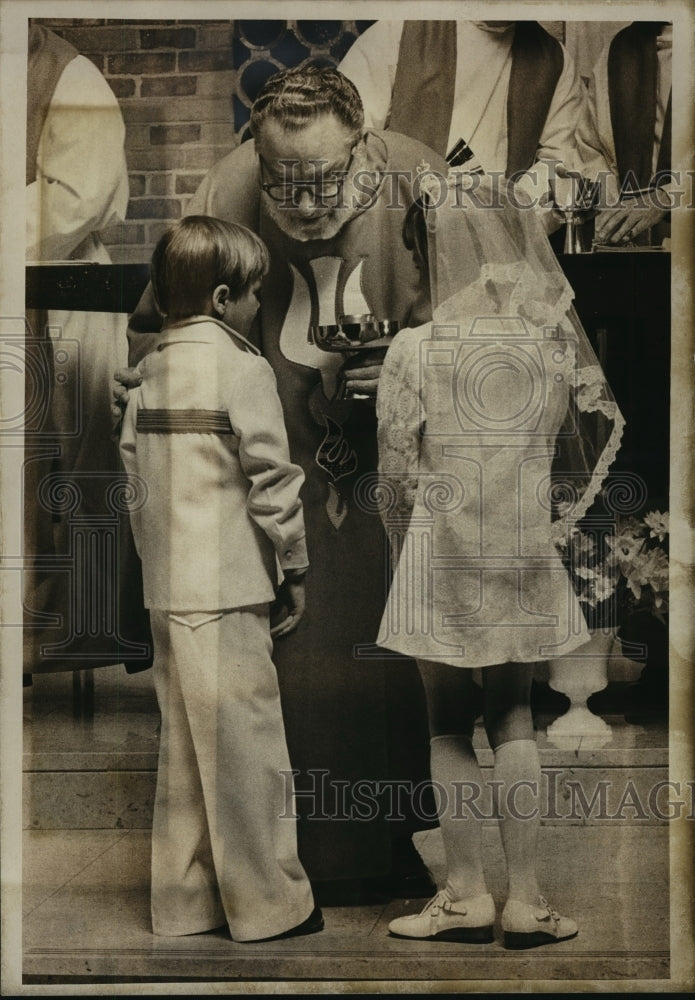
<point>85,287</point>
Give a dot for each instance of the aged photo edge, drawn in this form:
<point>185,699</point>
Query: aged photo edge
<point>14,15</point>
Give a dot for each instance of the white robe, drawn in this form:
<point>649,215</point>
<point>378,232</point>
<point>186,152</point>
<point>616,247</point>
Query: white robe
<point>480,95</point>
<point>81,187</point>
<point>81,181</point>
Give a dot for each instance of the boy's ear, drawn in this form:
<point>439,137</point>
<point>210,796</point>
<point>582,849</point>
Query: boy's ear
<point>220,297</point>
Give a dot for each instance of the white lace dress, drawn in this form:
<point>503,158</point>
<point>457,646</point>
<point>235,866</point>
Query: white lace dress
<point>470,415</point>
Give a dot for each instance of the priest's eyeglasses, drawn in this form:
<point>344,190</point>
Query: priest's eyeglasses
<point>325,191</point>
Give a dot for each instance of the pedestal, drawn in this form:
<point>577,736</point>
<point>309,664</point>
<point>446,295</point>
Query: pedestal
<point>578,676</point>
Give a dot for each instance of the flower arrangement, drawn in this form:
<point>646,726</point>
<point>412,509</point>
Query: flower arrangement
<point>620,572</point>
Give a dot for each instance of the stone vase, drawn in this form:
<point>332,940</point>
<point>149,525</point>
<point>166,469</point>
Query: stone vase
<point>579,675</point>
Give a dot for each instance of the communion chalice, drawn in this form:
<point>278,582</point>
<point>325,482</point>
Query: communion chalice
<point>576,198</point>
<point>362,340</point>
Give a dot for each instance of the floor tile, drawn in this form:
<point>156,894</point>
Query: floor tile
<point>86,892</point>
<point>51,858</point>
<point>612,880</point>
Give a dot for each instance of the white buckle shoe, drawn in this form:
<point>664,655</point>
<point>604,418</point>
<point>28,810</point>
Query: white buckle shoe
<point>469,920</point>
<point>527,926</point>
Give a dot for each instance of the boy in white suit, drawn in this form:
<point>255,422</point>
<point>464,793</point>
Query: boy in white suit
<point>215,508</point>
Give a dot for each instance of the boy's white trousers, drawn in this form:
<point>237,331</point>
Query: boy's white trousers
<point>224,845</point>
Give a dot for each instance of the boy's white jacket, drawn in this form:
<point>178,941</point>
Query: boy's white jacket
<point>211,512</point>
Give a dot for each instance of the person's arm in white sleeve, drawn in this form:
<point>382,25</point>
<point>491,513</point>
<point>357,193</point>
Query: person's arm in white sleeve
<point>558,138</point>
<point>400,415</point>
<point>273,501</point>
<point>557,144</point>
<point>371,65</point>
<point>595,150</point>
<point>127,447</point>
<point>81,181</point>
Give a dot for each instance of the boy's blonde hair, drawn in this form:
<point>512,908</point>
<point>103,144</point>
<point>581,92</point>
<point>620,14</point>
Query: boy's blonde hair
<point>197,254</point>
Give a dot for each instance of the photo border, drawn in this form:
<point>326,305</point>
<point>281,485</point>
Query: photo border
<point>14,15</point>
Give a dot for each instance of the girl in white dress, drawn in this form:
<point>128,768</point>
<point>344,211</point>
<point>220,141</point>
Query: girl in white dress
<point>496,428</point>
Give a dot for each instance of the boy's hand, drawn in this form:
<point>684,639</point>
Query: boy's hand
<point>293,597</point>
<point>125,379</point>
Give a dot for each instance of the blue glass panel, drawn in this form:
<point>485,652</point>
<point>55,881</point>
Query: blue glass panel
<point>262,33</point>
<point>290,51</point>
<point>255,75</point>
<point>342,46</point>
<point>320,32</point>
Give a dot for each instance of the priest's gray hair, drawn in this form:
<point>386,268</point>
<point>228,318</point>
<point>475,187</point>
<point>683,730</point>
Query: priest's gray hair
<point>298,96</point>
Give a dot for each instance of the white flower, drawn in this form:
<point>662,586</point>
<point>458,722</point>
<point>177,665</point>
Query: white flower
<point>626,546</point>
<point>658,524</point>
<point>603,587</point>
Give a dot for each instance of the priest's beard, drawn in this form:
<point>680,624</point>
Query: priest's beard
<point>327,222</point>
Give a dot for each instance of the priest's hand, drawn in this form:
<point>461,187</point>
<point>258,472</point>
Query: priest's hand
<point>624,223</point>
<point>364,381</point>
<point>124,379</point>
